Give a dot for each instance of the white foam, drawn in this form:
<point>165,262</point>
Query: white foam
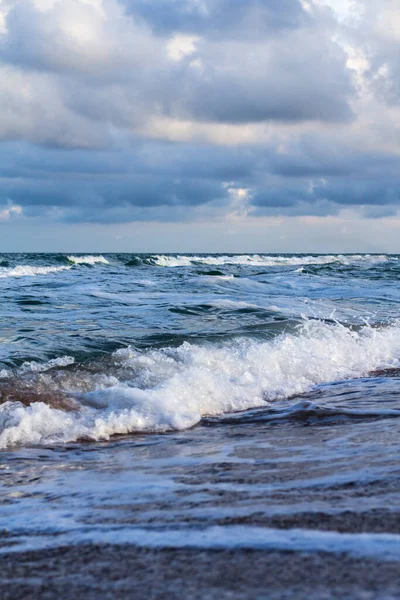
<point>88,260</point>
<point>214,278</point>
<point>377,546</point>
<point>146,282</point>
<point>225,303</point>
<point>263,260</point>
<point>29,271</point>
<point>173,388</point>
<point>36,367</point>
<point>381,546</point>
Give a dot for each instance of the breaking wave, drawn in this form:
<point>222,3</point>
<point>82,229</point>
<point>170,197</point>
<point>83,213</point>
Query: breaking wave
<point>174,388</point>
<point>88,260</point>
<point>29,271</point>
<point>32,271</point>
<point>261,260</point>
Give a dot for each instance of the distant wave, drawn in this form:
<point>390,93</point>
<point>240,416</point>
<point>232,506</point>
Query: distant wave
<point>261,260</point>
<point>29,271</point>
<point>136,261</point>
<point>88,260</point>
<point>174,388</point>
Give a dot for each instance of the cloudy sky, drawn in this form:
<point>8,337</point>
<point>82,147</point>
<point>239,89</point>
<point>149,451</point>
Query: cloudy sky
<point>200,125</point>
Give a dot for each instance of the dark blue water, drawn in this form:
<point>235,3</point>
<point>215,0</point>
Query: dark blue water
<point>135,376</point>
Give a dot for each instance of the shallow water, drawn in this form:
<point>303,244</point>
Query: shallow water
<point>211,401</point>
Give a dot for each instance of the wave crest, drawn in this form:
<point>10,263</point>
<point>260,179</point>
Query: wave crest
<point>262,260</point>
<point>29,271</point>
<point>174,388</point>
<point>88,260</point>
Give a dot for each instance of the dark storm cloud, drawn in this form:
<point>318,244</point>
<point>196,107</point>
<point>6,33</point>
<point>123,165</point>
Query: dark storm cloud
<point>165,181</point>
<point>102,187</point>
<point>367,191</point>
<point>321,158</point>
<point>86,192</point>
<point>162,158</point>
<point>328,197</point>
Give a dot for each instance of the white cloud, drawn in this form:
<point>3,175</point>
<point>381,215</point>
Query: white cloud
<point>239,207</point>
<point>6,213</point>
<point>180,46</point>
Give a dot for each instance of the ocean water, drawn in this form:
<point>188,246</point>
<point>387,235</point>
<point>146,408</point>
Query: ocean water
<point>211,401</point>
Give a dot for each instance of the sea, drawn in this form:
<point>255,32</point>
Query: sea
<point>206,401</point>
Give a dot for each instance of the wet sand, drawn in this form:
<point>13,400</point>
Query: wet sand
<point>125,520</point>
<point>129,572</point>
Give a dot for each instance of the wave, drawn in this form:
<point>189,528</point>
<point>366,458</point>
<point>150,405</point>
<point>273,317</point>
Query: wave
<point>306,411</point>
<point>174,388</point>
<point>29,271</point>
<point>36,367</point>
<point>32,271</point>
<point>88,260</point>
<point>226,304</point>
<point>261,260</point>
<point>134,262</point>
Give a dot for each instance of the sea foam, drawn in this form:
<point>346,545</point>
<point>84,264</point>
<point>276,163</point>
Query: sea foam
<point>173,388</point>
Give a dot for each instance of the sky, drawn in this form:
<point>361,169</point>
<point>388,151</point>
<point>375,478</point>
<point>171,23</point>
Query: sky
<point>200,125</point>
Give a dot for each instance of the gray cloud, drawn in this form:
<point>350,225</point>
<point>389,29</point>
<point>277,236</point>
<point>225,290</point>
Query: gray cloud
<point>76,37</point>
<point>377,33</point>
<point>82,86</point>
<point>103,66</point>
<point>166,181</point>
<point>296,78</point>
<point>216,18</point>
<point>375,197</point>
